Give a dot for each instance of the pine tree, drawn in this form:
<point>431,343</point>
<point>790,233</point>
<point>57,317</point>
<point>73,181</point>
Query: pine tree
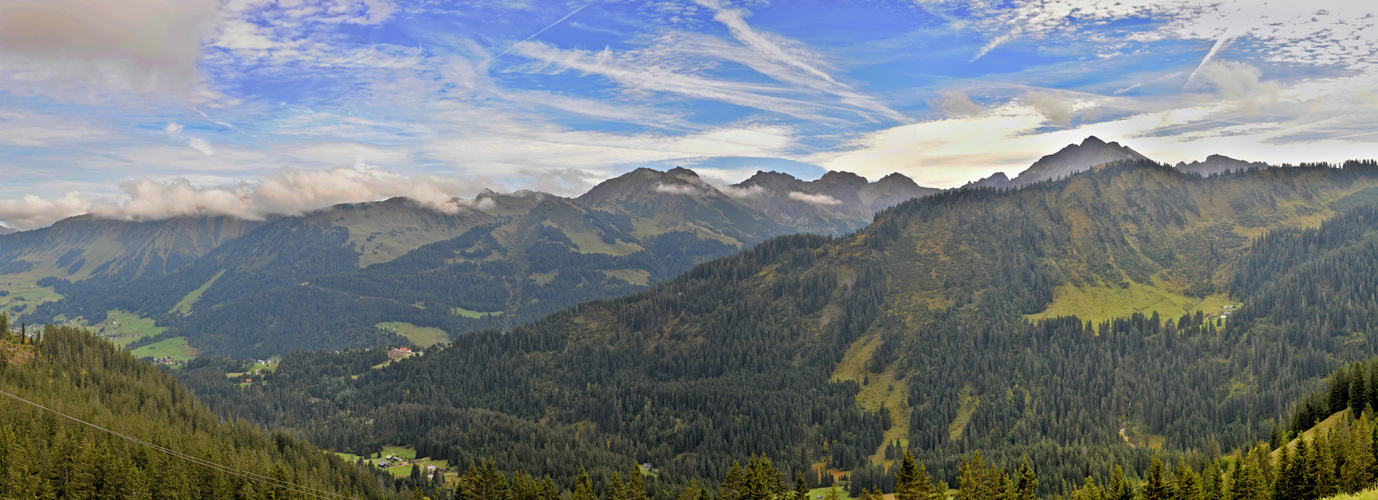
<point>636,485</point>
<point>1185,484</point>
<point>732,484</point>
<point>1089,491</point>
<point>583,487</point>
<point>1004,486</point>
<point>911,480</point>
<point>1027,486</point>
<point>616,490</point>
<point>801,489</point>
<point>1323,468</point>
<point>1120,489</point>
<point>548,489</point>
<point>1211,487</point>
<point>1358,389</point>
<point>1156,485</point>
<point>1286,484</point>
<point>694,491</point>
<point>975,480</point>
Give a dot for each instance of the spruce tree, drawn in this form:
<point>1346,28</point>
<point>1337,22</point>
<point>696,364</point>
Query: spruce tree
<point>1027,483</point>
<point>1156,485</point>
<point>1358,389</point>
<point>1323,468</point>
<point>909,485</point>
<point>1286,484</point>
<point>636,485</point>
<point>1120,489</point>
<point>1211,487</point>
<point>732,484</point>
<point>1185,484</point>
<point>583,487</point>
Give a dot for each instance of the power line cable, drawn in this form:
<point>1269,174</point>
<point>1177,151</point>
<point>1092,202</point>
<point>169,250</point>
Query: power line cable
<point>318,493</point>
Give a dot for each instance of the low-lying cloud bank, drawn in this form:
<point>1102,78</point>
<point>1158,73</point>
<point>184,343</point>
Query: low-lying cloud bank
<point>290,192</point>
<point>815,199</point>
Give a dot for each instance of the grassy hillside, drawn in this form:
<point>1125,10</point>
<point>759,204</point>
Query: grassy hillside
<point>796,341</point>
<point>327,278</point>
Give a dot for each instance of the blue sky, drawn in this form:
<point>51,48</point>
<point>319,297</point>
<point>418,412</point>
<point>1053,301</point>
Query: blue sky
<point>151,109</point>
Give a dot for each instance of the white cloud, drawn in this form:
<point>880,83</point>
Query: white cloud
<point>814,199</point>
<point>645,76</point>
<point>1237,81</point>
<point>1055,109</point>
<point>955,102</point>
<point>682,189</point>
<point>31,212</point>
<point>1324,32</point>
<point>787,61</point>
<point>288,192</point>
<point>742,192</point>
<point>65,45</point>
<point>174,130</point>
<point>480,140</point>
<point>201,145</point>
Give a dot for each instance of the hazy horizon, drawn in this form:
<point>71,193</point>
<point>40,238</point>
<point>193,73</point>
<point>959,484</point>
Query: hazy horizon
<point>245,106</point>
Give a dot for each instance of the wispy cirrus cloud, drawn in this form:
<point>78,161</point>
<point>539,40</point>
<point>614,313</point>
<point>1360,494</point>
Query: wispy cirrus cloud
<point>649,76</point>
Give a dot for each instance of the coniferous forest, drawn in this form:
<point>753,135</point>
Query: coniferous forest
<point>936,350</point>
<point>772,352</point>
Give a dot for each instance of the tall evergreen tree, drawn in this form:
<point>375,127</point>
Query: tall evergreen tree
<point>1027,485</point>
<point>1156,484</point>
<point>636,485</point>
<point>1185,483</point>
<point>583,487</point>
<point>1120,487</point>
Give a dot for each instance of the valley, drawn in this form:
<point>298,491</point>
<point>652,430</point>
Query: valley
<point>974,320</point>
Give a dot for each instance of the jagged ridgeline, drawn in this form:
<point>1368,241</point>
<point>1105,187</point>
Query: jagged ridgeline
<point>360,274</point>
<point>1079,323</point>
<point>43,455</point>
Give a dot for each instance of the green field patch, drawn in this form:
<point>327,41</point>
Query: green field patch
<point>1369,494</point>
<point>175,348</point>
<point>460,311</point>
<point>424,336</point>
<point>24,296</point>
<point>124,328</point>
<point>968,401</point>
<point>257,368</point>
<point>543,278</point>
<point>399,458</point>
<point>634,276</point>
<point>592,243</point>
<point>1101,302</point>
<point>184,306</point>
<point>877,389</point>
<point>822,493</point>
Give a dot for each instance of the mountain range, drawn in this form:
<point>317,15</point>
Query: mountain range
<point>363,271</point>
<point>1092,152</point>
<point>1095,321</point>
<point>1084,320</point>
<point>330,278</point>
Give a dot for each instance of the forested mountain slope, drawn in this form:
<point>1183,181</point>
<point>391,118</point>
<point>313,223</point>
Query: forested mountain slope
<point>335,278</point>
<point>44,455</point>
<point>930,325</point>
